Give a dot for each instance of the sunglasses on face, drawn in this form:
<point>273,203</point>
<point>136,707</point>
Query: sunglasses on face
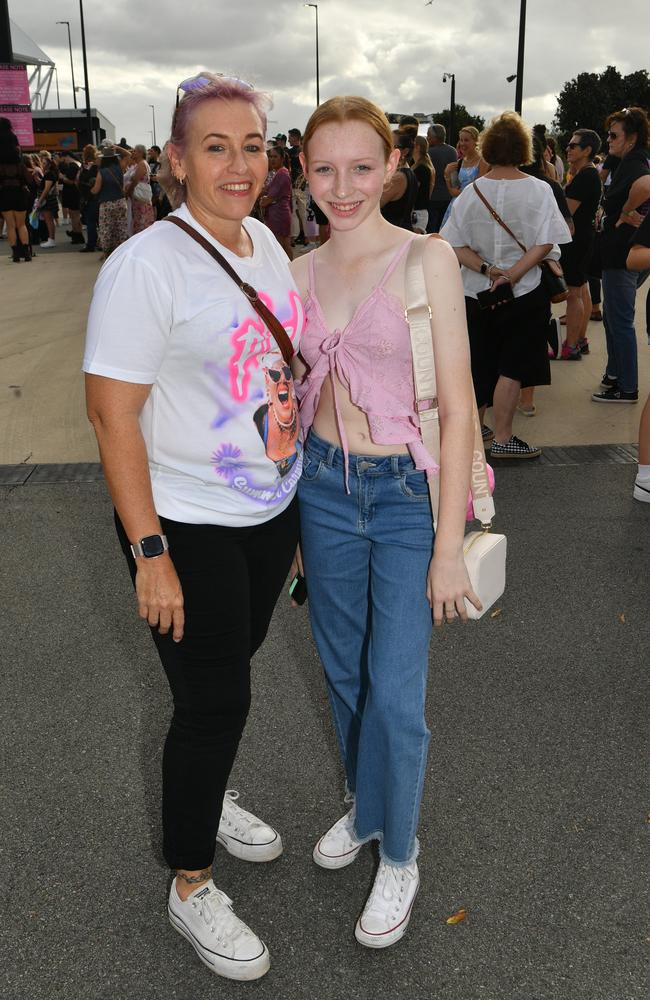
<point>613,135</point>
<point>201,80</point>
<point>574,145</point>
<point>276,375</point>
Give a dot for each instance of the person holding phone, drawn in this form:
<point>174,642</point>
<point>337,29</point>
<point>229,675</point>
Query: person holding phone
<point>371,568</point>
<point>507,328</point>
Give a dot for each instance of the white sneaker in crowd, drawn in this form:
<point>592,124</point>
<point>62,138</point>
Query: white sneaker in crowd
<point>222,941</point>
<point>387,912</point>
<point>642,489</point>
<point>339,846</point>
<point>48,244</point>
<point>244,835</point>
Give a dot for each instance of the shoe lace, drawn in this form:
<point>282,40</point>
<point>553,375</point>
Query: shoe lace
<point>237,818</point>
<point>390,885</point>
<point>216,911</point>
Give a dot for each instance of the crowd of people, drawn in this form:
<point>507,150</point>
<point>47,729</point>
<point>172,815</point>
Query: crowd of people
<point>110,191</point>
<point>263,422</point>
<point>266,412</point>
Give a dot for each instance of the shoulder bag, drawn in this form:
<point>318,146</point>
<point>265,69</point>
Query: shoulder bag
<point>553,278</point>
<point>484,551</point>
<point>272,322</point>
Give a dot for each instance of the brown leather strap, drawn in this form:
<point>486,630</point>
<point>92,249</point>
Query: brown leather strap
<point>497,217</point>
<point>272,322</point>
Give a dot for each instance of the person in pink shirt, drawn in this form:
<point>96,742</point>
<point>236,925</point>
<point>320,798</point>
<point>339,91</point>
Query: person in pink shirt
<point>372,572</point>
<point>276,199</point>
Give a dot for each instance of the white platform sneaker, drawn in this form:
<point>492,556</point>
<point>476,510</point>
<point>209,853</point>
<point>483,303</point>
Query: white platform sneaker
<point>222,941</point>
<point>244,835</point>
<point>387,911</point>
<point>339,846</point>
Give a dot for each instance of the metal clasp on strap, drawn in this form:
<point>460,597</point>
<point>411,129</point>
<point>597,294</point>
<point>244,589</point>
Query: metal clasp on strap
<point>249,291</point>
<point>427,408</point>
<point>414,309</point>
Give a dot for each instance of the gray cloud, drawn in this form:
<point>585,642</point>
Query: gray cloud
<point>392,52</point>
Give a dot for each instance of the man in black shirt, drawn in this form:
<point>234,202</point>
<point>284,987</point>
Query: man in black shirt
<point>583,194</point>
<point>441,154</point>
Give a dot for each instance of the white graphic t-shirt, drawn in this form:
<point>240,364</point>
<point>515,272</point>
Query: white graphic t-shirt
<point>221,421</point>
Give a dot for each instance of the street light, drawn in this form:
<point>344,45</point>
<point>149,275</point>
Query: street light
<point>153,119</point>
<point>74,93</point>
<point>89,121</point>
<point>509,79</point>
<point>452,105</point>
<point>58,99</point>
<point>519,89</point>
<point>315,6</point>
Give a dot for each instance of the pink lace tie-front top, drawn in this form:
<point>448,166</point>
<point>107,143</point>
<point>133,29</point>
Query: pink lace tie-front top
<point>372,357</point>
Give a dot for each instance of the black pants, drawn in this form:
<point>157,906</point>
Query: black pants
<point>231,580</point>
<point>437,211</point>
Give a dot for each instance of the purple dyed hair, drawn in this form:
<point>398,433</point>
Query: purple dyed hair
<point>217,88</point>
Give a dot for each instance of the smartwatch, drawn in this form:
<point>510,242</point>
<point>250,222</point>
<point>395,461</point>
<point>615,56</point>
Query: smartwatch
<point>485,267</point>
<point>150,547</point>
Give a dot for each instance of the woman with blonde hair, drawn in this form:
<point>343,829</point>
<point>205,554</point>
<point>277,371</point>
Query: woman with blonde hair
<point>426,177</point>
<point>138,191</point>
<point>469,166</point>
<point>372,570</point>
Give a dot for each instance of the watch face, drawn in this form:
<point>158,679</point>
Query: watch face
<point>152,545</point>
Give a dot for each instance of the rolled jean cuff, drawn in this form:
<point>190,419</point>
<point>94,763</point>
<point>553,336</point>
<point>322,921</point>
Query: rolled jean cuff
<point>383,856</point>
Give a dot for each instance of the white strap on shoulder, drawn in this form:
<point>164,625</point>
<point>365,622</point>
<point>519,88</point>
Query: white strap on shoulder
<point>418,316</point>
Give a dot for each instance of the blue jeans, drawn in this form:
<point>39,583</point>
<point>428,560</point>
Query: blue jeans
<point>366,557</point>
<point>619,299</point>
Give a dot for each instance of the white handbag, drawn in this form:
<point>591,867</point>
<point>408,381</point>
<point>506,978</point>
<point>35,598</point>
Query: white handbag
<point>484,551</point>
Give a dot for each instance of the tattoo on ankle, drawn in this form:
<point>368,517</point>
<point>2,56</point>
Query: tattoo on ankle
<point>195,879</point>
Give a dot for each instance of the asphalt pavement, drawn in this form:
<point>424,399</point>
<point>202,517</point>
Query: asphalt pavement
<point>536,811</point>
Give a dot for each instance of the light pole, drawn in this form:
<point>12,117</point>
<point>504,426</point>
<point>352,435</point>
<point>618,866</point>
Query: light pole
<point>89,120</point>
<point>74,92</point>
<point>452,106</point>
<point>153,119</point>
<point>519,87</point>
<point>315,6</point>
<point>56,77</point>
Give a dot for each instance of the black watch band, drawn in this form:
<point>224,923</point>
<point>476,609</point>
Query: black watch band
<point>150,546</point>
<point>485,267</point>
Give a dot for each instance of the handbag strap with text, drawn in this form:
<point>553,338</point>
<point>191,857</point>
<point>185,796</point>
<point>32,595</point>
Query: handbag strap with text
<point>272,322</point>
<point>418,315</point>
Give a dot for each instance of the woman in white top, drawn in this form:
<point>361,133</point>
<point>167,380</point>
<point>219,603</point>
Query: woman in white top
<point>197,424</point>
<point>138,191</point>
<point>508,342</point>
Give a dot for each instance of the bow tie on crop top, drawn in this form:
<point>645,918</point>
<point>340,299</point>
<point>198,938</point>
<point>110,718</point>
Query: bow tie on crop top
<point>372,357</point>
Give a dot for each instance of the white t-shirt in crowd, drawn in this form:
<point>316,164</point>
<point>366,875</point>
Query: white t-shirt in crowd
<point>221,421</point>
<point>527,206</point>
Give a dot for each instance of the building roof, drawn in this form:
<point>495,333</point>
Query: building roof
<point>26,50</point>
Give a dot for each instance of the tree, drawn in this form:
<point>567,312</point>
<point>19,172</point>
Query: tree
<point>587,100</point>
<point>463,118</point>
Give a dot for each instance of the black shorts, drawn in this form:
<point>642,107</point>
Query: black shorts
<point>70,198</point>
<point>575,261</point>
<point>14,199</point>
<point>510,340</point>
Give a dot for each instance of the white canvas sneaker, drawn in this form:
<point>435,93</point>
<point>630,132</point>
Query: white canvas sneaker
<point>48,244</point>
<point>339,846</point>
<point>244,835</point>
<point>222,941</point>
<point>642,489</point>
<point>387,911</point>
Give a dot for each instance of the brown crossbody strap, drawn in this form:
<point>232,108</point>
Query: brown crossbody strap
<point>272,322</point>
<point>497,217</point>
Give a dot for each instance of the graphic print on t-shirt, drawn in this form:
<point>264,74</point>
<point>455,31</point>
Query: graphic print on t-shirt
<point>255,351</point>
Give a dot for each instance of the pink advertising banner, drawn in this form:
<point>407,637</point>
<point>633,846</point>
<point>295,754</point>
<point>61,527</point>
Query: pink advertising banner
<point>15,102</point>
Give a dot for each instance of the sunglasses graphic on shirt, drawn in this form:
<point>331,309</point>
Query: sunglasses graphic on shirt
<point>276,375</point>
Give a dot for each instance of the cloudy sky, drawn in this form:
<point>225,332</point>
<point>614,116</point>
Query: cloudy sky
<point>393,51</point>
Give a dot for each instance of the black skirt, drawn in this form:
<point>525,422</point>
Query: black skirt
<point>511,340</point>
<point>14,198</point>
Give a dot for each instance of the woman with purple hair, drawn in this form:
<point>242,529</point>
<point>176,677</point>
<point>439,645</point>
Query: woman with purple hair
<point>177,363</point>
